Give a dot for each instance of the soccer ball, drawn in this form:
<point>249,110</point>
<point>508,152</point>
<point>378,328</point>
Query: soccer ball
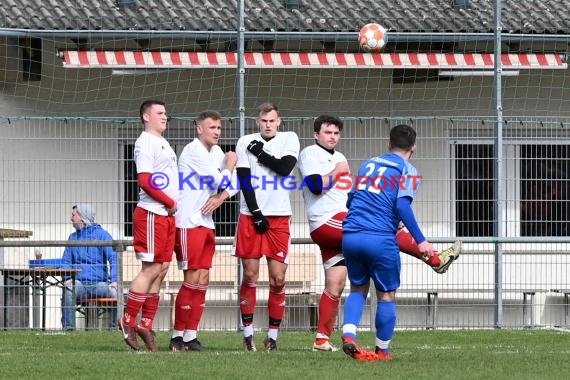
<point>372,37</point>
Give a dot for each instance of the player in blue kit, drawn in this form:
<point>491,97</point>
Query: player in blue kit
<point>382,196</point>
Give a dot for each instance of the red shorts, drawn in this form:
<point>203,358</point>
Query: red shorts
<point>195,247</point>
<point>153,236</point>
<point>329,239</point>
<point>273,243</point>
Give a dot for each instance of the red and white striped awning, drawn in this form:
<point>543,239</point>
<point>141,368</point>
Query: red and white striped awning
<point>182,60</point>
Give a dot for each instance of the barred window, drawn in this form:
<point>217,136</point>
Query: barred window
<point>130,188</point>
<point>474,189</point>
<point>225,217</point>
<point>545,195</point>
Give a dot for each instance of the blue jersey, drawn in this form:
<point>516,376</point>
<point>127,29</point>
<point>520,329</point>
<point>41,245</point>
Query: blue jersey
<point>372,201</point>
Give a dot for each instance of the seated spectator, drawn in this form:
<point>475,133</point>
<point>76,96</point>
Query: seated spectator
<point>98,265</point>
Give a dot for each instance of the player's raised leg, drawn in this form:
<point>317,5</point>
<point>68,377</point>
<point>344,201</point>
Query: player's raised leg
<point>440,262</point>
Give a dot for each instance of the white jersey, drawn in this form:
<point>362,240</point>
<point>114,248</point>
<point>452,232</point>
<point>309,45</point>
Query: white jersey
<point>320,208</point>
<point>154,155</point>
<point>271,194</point>
<point>201,173</point>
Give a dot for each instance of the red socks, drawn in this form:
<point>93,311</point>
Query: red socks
<point>149,309</point>
<point>135,301</point>
<point>408,245</point>
<point>182,307</point>
<point>328,312</point>
<point>276,304</point>
<point>198,294</point>
<point>247,300</point>
<point>189,307</point>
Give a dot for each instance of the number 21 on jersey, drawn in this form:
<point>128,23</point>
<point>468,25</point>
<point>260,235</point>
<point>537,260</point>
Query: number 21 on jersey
<point>371,180</point>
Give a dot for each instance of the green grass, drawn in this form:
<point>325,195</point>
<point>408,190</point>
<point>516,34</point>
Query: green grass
<point>464,354</point>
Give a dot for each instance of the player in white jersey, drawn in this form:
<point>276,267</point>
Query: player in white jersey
<point>325,173</point>
<point>153,222</point>
<point>207,180</point>
<point>263,228</point>
<point>321,166</point>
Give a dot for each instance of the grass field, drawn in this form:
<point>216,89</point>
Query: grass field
<point>465,354</point>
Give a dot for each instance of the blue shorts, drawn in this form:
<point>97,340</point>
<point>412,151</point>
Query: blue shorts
<point>372,256</point>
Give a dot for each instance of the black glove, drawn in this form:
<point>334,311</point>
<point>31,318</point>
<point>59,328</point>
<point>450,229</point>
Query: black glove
<point>255,147</point>
<point>260,221</point>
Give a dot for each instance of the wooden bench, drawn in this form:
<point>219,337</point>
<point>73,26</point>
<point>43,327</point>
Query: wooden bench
<point>224,278</point>
<point>566,294</point>
<point>95,308</point>
<point>224,272</point>
<point>433,301</point>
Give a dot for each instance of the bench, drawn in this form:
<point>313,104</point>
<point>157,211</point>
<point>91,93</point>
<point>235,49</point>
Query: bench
<point>225,268</point>
<point>566,294</point>
<point>224,280</point>
<point>95,308</point>
<point>224,277</point>
<point>433,301</point>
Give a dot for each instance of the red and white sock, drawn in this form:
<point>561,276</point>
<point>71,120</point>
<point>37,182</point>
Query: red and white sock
<point>149,310</point>
<point>135,301</point>
<point>198,296</point>
<point>328,312</point>
<point>182,307</point>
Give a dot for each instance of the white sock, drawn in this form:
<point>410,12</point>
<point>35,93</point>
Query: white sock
<point>349,329</point>
<point>383,344</point>
<point>177,333</point>
<point>248,330</point>
<point>189,335</point>
<point>272,333</point>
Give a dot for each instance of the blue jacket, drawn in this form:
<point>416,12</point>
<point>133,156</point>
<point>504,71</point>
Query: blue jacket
<point>91,260</point>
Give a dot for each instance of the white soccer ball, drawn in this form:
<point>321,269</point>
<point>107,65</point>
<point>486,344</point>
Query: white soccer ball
<point>372,37</point>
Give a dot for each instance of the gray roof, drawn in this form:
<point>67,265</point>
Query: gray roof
<point>519,16</point>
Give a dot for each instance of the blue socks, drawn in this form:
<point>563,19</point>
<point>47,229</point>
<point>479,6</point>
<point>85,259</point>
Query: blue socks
<point>353,308</point>
<point>385,320</point>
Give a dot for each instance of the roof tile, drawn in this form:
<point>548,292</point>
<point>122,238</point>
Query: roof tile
<point>531,16</point>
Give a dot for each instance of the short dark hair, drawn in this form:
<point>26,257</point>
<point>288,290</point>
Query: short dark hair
<point>267,107</point>
<point>208,114</point>
<point>403,137</point>
<point>327,119</point>
<point>147,104</point>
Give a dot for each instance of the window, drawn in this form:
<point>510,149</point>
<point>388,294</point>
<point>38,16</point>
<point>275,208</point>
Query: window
<point>32,59</point>
<point>225,217</point>
<point>130,188</point>
<point>545,193</point>
<point>474,189</point>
